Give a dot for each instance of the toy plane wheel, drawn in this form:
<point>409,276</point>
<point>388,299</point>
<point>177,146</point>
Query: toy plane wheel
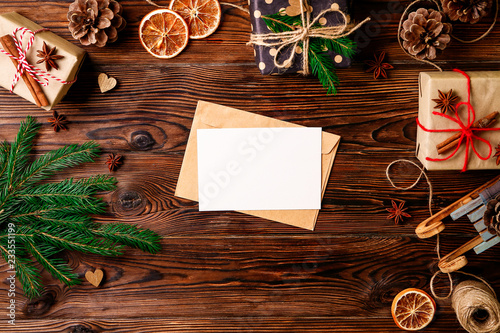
<point>429,229</point>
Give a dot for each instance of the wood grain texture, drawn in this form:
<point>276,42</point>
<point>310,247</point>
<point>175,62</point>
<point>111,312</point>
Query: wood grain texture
<point>226,271</point>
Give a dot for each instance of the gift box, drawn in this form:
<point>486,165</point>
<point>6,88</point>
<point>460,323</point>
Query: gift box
<point>434,129</point>
<point>264,56</point>
<point>69,65</point>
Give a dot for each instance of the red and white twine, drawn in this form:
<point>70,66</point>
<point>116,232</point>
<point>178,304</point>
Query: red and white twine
<point>40,76</point>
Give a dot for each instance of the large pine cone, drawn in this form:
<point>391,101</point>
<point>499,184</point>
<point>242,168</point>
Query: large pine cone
<point>95,21</point>
<point>492,216</point>
<point>424,32</point>
<point>466,10</point>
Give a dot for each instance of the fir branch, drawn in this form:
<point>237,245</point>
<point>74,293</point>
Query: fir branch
<point>281,23</point>
<point>343,46</point>
<point>324,70</point>
<point>73,240</point>
<point>4,156</point>
<point>27,274</point>
<point>63,193</point>
<point>55,216</point>
<point>44,253</point>
<point>20,149</point>
<point>75,207</point>
<point>99,183</point>
<point>130,235</point>
<point>53,161</point>
<point>77,222</point>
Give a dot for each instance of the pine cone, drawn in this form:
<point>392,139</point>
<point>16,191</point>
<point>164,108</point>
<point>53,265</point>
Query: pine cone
<point>424,32</point>
<point>492,216</point>
<point>95,21</point>
<point>466,10</point>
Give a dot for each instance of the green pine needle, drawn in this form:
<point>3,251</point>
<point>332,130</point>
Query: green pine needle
<point>320,62</point>
<point>323,69</point>
<point>59,269</point>
<point>56,160</point>
<point>343,46</point>
<point>281,22</point>
<point>130,235</point>
<point>19,150</point>
<point>27,274</point>
<point>52,217</point>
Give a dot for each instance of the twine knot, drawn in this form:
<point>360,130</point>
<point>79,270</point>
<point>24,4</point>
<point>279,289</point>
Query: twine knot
<point>40,76</point>
<point>302,35</point>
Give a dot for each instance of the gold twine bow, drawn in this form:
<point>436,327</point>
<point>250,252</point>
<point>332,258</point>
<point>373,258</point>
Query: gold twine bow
<point>302,34</point>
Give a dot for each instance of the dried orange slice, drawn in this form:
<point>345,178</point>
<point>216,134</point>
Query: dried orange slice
<point>163,33</point>
<point>413,309</point>
<point>202,16</point>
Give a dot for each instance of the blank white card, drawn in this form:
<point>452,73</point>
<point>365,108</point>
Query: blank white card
<point>259,168</point>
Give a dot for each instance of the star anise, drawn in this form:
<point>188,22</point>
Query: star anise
<point>48,56</point>
<point>397,212</point>
<point>446,101</point>
<point>114,161</point>
<point>497,154</point>
<point>58,122</point>
<point>378,66</point>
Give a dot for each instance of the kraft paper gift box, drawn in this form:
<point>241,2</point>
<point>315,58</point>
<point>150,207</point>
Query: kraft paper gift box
<point>209,115</point>
<point>264,55</point>
<point>485,99</point>
<point>68,66</point>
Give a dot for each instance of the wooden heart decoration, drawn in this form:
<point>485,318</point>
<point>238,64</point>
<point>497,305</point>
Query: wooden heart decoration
<point>106,83</point>
<point>95,277</point>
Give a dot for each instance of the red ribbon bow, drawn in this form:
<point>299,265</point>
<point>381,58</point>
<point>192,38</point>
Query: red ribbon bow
<point>467,130</point>
<point>39,75</point>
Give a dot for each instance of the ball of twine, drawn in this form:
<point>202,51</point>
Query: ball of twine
<point>477,307</point>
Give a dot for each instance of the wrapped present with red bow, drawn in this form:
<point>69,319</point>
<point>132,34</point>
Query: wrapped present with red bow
<point>35,63</point>
<point>457,125</point>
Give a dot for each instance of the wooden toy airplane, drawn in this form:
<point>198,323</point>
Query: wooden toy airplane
<point>473,205</point>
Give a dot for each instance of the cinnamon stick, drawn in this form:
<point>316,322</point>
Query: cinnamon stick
<point>453,140</point>
<point>36,91</point>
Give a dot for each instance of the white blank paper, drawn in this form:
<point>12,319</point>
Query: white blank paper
<point>259,168</point>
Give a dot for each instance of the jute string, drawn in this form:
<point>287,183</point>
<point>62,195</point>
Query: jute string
<point>302,34</point>
<point>469,298</point>
<point>438,6</point>
<point>477,307</point>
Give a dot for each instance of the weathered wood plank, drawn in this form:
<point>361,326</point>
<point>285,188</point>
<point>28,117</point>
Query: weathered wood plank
<point>301,276</point>
<point>240,324</point>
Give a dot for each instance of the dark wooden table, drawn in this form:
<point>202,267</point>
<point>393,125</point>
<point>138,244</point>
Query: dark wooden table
<point>229,271</point>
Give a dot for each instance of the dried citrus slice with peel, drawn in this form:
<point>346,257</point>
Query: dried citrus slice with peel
<point>413,309</point>
<point>202,16</point>
<point>163,33</point>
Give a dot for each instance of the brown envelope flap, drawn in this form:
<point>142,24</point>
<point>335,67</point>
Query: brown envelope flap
<point>233,118</point>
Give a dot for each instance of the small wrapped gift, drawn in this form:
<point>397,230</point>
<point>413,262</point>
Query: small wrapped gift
<point>265,55</point>
<point>36,84</point>
<point>464,136</point>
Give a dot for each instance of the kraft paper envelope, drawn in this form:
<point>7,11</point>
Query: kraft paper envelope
<point>209,115</point>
